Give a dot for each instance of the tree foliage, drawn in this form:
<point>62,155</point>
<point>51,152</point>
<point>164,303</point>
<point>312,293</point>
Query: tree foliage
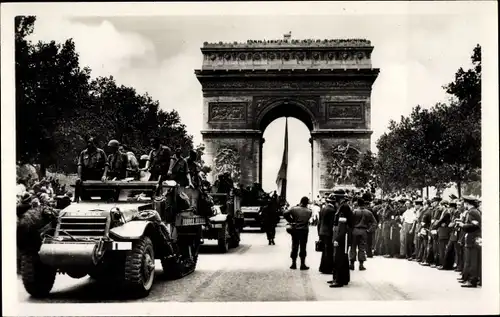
<point>437,146</point>
<point>58,105</point>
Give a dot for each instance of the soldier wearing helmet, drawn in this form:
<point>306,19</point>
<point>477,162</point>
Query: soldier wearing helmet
<point>117,161</point>
<point>92,162</point>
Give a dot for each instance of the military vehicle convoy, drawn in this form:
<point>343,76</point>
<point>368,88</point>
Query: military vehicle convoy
<point>114,233</point>
<point>226,222</point>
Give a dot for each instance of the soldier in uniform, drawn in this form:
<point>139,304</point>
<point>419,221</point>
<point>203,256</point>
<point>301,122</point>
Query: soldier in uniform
<point>342,223</point>
<point>415,229</point>
<point>472,229</point>
<point>92,163</point>
<point>370,238</point>
<point>299,216</point>
<point>425,224</point>
<point>451,253</point>
<point>325,233</point>
<point>159,162</point>
<point>363,221</point>
<point>117,161</point>
<point>180,171</point>
<point>443,231</point>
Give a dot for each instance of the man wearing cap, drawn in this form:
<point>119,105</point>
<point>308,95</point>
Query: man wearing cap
<point>451,253</point>
<point>180,170</point>
<point>424,233</point>
<point>443,231</point>
<point>325,233</point>
<point>117,161</point>
<point>363,221</point>
<point>92,162</point>
<point>472,229</point>
<point>415,228</point>
<point>342,226</point>
<point>298,217</point>
<point>367,197</point>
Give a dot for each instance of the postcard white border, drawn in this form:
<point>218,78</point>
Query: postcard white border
<point>488,39</point>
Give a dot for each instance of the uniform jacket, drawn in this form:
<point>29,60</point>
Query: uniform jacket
<point>298,215</point>
<point>92,163</point>
<point>325,221</point>
<point>363,219</point>
<point>159,160</point>
<point>472,227</point>
<point>442,225</point>
<point>118,163</point>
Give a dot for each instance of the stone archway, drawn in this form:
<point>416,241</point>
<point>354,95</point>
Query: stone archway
<point>325,84</point>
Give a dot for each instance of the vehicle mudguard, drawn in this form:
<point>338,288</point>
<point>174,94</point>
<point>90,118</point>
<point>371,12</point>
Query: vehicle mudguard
<point>218,218</point>
<point>131,230</point>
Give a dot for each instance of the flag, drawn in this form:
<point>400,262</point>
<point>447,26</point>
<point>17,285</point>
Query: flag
<point>281,179</point>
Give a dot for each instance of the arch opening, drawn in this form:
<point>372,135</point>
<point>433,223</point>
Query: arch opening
<point>299,176</point>
<point>285,109</point>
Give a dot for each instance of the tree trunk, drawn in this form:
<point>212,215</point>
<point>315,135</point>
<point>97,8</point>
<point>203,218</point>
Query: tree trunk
<point>427,191</point>
<point>43,170</point>
<point>422,192</point>
<point>459,189</point>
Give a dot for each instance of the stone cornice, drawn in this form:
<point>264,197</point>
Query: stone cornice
<point>312,54</point>
<point>330,132</point>
<point>291,43</point>
<point>226,132</point>
<point>285,73</point>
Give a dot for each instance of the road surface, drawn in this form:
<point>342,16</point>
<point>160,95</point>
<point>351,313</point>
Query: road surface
<point>256,271</point>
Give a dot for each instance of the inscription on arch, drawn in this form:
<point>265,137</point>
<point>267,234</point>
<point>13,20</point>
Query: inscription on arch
<point>227,111</point>
<point>344,111</point>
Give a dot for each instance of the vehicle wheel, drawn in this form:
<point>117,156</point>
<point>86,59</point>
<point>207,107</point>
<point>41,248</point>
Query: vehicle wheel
<point>38,278</point>
<point>180,266</point>
<point>223,241</point>
<point>140,268</point>
<point>235,238</point>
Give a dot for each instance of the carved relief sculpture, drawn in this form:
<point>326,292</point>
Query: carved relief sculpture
<point>227,111</point>
<point>227,160</point>
<point>342,160</point>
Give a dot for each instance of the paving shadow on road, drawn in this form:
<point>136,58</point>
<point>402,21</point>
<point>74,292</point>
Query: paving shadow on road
<point>214,249</point>
<point>92,292</point>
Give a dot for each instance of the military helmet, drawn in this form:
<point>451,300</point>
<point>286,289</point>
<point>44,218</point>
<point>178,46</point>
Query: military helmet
<point>113,143</point>
<point>144,157</point>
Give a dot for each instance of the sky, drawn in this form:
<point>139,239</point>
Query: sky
<point>416,55</point>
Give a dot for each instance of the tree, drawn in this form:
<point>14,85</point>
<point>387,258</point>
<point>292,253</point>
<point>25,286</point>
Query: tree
<point>50,85</point>
<point>461,145</point>
<point>364,171</point>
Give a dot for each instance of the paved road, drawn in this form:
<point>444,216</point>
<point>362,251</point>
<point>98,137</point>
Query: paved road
<point>258,272</point>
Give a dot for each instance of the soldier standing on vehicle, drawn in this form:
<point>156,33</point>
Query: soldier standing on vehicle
<point>92,163</point>
<point>117,161</point>
<point>133,164</point>
<point>180,171</point>
<point>298,217</point>
<point>159,162</point>
<point>194,173</point>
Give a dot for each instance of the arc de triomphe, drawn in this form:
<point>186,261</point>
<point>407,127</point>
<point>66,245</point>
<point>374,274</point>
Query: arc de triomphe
<point>326,84</point>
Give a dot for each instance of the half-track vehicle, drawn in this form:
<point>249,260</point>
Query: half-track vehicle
<point>113,232</point>
<point>226,221</point>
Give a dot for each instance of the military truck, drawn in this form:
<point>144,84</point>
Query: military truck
<point>114,232</point>
<point>226,221</point>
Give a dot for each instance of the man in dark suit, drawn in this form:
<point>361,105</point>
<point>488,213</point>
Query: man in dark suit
<point>325,233</point>
<point>342,227</point>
